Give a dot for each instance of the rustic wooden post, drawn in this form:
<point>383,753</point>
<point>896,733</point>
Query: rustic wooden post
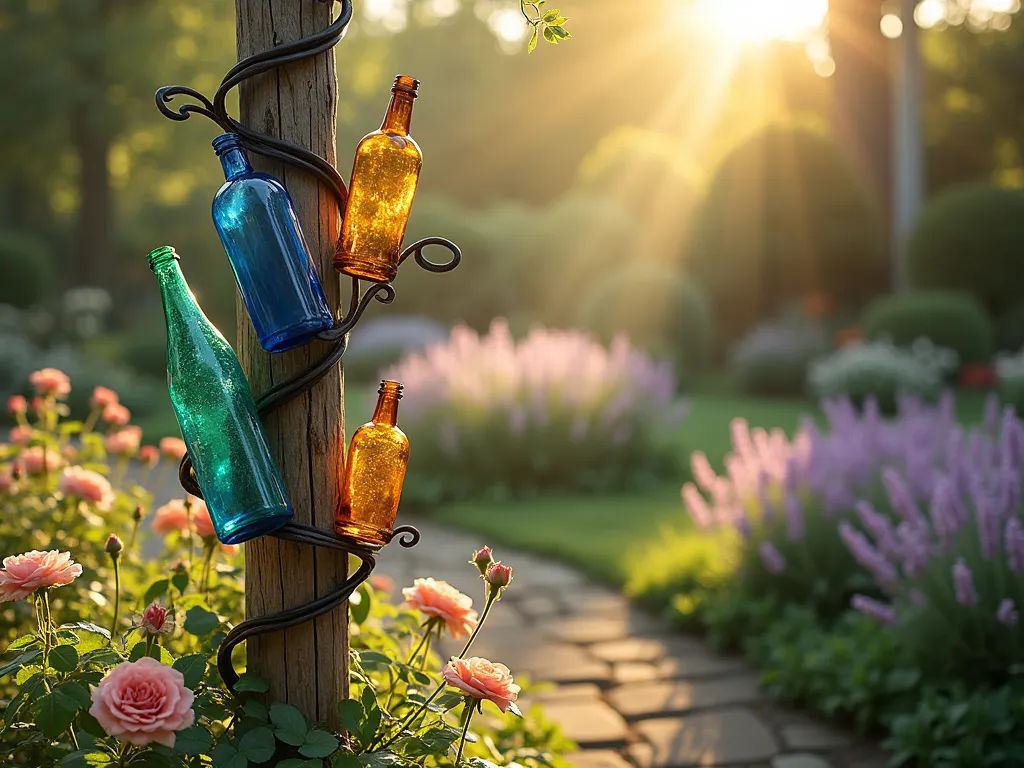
<point>306,666</point>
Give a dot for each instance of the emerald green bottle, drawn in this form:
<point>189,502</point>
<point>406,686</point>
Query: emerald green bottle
<point>241,483</point>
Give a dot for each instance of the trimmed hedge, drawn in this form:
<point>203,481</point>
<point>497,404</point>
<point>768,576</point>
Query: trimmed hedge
<point>28,271</point>
<point>786,217</point>
<point>658,309</point>
<point>951,319</point>
<point>971,238</point>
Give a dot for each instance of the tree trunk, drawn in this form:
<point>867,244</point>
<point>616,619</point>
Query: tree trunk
<point>95,215</point>
<point>863,80</point>
<point>306,666</point>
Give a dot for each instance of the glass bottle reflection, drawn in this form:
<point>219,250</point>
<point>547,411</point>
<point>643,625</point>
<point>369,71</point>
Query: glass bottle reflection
<point>241,484</point>
<point>374,473</point>
<point>255,219</point>
<point>381,191</point>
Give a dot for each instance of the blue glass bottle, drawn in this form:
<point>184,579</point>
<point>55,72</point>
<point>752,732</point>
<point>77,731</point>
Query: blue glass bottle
<point>256,222</point>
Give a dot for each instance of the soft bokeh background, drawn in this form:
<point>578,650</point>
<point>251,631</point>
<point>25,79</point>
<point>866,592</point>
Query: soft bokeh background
<point>678,170</point>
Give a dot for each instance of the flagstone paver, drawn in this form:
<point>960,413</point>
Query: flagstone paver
<point>631,693</point>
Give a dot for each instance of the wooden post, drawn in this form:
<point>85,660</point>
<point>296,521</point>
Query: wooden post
<point>306,666</point>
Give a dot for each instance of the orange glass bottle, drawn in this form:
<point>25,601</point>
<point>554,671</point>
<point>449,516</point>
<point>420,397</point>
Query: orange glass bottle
<point>374,473</point>
<point>381,190</point>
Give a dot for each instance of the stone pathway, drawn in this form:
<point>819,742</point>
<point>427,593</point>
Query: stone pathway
<point>627,690</point>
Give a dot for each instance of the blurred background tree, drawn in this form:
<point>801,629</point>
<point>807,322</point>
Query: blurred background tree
<point>612,160</point>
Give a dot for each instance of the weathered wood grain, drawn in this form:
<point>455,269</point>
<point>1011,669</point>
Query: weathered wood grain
<point>306,666</point>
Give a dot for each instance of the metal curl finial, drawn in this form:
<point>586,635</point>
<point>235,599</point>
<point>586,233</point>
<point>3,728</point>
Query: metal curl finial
<point>416,250</point>
<point>408,536</point>
<point>337,337</point>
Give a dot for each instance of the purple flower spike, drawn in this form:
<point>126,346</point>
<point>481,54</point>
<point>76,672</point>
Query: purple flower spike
<point>963,584</point>
<point>879,611</point>
<point>794,518</point>
<point>899,496</point>
<point>1007,613</point>
<point>865,554</point>
<point>773,560</point>
<point>1014,536</point>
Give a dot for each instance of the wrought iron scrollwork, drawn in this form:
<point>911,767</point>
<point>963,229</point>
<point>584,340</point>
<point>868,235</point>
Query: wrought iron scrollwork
<point>337,336</point>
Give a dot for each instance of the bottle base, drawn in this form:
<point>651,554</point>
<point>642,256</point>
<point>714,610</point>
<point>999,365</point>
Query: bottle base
<point>255,524</point>
<point>364,270</point>
<point>365,534</point>
<point>295,335</point>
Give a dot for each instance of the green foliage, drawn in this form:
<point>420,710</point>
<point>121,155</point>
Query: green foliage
<point>27,269</point>
<point>49,668</point>
<point>548,24</point>
<point>785,217</point>
<point>1010,329</point>
<point>971,238</point>
<point>658,309</point>
<point>959,728</point>
<point>952,319</point>
<point>773,358</point>
<point>882,372</point>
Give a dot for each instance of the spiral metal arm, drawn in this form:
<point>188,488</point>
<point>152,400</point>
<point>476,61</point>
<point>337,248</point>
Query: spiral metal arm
<point>337,336</point>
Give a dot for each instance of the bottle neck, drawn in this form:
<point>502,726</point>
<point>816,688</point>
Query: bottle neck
<point>398,120</point>
<point>234,163</point>
<point>387,410</point>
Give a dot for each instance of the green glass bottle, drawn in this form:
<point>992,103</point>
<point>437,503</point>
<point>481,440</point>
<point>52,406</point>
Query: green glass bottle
<point>241,483</point>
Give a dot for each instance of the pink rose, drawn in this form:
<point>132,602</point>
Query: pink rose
<point>481,679</point>
<point>20,435</point>
<point>143,701</point>
<point>69,452</point>
<point>24,574</point>
<point>382,582</point>
<point>149,454</point>
<point>36,460</point>
<point>7,483</point>
<point>499,575</point>
<point>17,404</point>
<point>116,414</point>
<point>87,485</point>
<point>102,397</point>
<point>156,620</point>
<point>124,442</point>
<point>49,382</point>
<point>173,448</point>
<point>441,600</point>
<point>201,520</point>
<point>172,516</point>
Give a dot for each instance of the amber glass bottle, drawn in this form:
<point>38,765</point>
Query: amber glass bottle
<point>381,191</point>
<point>374,472</point>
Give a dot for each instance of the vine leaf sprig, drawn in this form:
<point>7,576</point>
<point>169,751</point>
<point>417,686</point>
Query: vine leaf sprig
<point>550,24</point>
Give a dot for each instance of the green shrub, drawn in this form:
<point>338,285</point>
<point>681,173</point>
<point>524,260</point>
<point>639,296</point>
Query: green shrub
<point>1010,329</point>
<point>882,372</point>
<point>971,238</point>
<point>774,357</point>
<point>27,269</point>
<point>146,353</point>
<point>954,320</point>
<point>785,217</point>
<point>658,309</point>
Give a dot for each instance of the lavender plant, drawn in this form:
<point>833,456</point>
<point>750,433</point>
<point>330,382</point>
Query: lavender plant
<point>780,499</point>
<point>950,562</point>
<point>493,416</point>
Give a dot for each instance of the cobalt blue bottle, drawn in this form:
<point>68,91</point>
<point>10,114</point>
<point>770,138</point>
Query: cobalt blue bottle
<point>256,222</point>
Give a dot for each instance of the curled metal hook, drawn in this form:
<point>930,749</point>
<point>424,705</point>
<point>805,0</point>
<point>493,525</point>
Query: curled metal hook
<point>416,250</point>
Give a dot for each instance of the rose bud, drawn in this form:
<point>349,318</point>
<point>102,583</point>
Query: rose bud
<point>482,559</point>
<point>114,545</point>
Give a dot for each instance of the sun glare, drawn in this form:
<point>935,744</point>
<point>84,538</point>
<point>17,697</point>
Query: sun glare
<point>753,21</point>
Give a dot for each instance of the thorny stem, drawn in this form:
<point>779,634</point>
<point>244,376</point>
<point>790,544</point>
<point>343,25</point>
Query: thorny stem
<point>491,599</point>
<point>465,730</point>
<point>204,579</point>
<point>117,597</point>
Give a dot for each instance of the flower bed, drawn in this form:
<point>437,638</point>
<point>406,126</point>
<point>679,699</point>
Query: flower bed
<point>110,659</point>
<point>873,568</point>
